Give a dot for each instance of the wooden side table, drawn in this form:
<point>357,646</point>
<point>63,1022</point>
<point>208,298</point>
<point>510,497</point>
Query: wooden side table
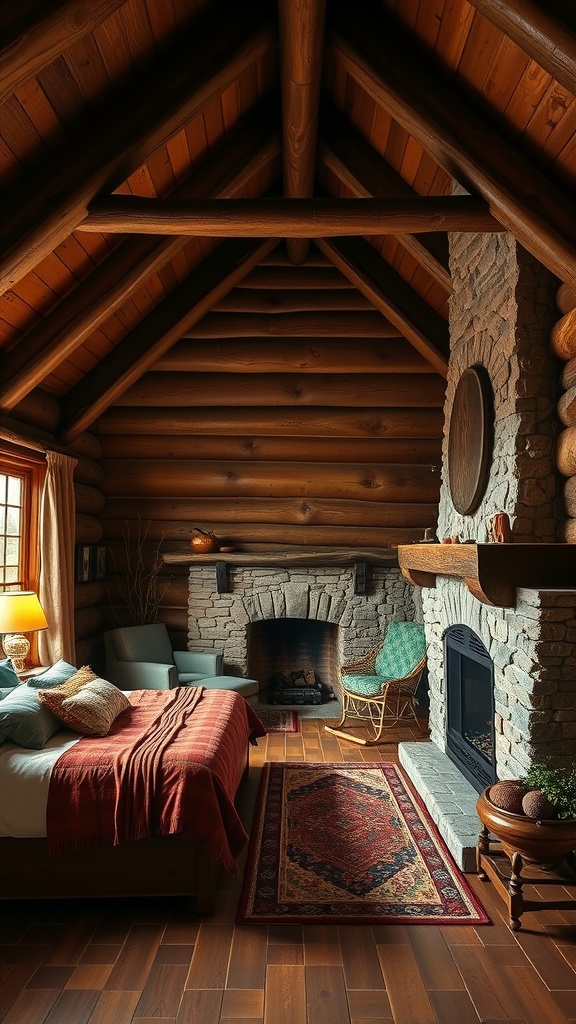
<point>509,874</point>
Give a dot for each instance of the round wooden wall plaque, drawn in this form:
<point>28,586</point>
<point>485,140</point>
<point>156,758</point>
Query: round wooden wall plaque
<point>470,440</point>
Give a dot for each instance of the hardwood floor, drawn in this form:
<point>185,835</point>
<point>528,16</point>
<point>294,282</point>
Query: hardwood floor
<point>154,962</point>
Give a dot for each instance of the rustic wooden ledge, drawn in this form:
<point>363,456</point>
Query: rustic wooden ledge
<point>361,558</point>
<point>492,572</point>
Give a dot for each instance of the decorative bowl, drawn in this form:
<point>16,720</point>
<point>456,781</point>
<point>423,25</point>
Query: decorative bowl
<point>545,843</point>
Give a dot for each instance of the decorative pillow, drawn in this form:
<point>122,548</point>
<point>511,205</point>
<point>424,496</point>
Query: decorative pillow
<point>55,695</point>
<point>92,710</point>
<point>4,691</point>
<point>53,676</point>
<point>8,676</point>
<point>23,719</point>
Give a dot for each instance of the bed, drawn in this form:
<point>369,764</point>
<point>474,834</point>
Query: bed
<point>163,782</point>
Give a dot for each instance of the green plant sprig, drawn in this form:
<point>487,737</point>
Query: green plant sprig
<point>558,784</point>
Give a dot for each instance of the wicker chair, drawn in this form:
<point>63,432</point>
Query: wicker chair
<point>379,688</point>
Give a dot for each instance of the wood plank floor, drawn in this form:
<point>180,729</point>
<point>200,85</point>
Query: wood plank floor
<point>155,962</point>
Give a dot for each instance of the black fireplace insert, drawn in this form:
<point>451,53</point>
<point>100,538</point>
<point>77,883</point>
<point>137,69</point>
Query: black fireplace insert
<point>469,674</point>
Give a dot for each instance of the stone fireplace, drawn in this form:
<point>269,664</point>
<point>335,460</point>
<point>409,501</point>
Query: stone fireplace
<point>501,313</point>
<point>336,622</point>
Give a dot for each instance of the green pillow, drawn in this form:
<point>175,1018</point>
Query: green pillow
<point>4,691</point>
<point>24,720</point>
<point>53,676</point>
<point>8,676</point>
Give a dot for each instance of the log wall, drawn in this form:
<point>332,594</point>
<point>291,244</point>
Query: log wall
<point>290,415</point>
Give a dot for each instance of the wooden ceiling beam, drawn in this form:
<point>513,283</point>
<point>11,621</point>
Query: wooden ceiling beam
<point>288,218</point>
<point>166,324</point>
<point>390,294</point>
<point>49,204</point>
<point>539,32</point>
<point>35,41</point>
<point>344,151</point>
<point>301,47</point>
<point>536,211</point>
<point>79,313</point>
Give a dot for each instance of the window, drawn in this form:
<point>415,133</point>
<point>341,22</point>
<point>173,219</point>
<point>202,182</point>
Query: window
<point>20,483</point>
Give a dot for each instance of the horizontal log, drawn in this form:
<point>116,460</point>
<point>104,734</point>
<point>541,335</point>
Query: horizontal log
<point>287,218</point>
<point>174,519</point>
<point>90,651</point>
<point>245,389</point>
<point>567,407</point>
<point>87,445</point>
<point>563,336</point>
<point>292,302</point>
<point>566,452</point>
<point>89,500</point>
<point>323,355</point>
<point>301,278</point>
<point>87,529</point>
<point>293,325</point>
<point>150,478</point>
<point>318,422</point>
<point>86,595</point>
<point>264,449</point>
<point>86,471</point>
<point>87,621</point>
<point>263,537</point>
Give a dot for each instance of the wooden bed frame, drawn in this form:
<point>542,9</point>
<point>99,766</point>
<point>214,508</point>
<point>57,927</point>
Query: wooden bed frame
<point>160,866</point>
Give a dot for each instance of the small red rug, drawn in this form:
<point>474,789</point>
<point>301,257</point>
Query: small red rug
<point>349,844</point>
<point>276,720</point>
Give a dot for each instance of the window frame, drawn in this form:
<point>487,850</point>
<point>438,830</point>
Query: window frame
<point>30,468</point>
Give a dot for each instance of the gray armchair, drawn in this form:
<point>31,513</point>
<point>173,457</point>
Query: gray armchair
<point>141,658</point>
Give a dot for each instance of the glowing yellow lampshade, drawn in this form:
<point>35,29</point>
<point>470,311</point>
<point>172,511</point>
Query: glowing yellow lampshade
<point>20,612</point>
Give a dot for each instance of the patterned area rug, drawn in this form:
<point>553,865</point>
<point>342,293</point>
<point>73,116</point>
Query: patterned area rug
<point>277,720</point>
<point>349,844</point>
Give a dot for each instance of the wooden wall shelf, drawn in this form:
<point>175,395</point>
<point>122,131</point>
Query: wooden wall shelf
<point>492,572</point>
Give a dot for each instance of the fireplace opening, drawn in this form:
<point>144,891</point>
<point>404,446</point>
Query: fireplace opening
<point>470,705</point>
<point>292,646</point>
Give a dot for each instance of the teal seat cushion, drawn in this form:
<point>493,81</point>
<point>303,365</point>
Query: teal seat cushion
<point>24,720</point>
<point>8,677</point>
<point>364,685</point>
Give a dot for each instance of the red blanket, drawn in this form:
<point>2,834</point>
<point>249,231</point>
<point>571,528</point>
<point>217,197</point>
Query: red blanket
<point>170,764</point>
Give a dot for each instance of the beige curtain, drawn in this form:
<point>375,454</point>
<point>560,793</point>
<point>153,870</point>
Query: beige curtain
<point>57,525</point>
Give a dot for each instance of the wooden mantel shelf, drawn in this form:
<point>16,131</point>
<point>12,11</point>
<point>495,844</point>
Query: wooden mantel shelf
<point>492,572</point>
<point>292,556</point>
<point>223,560</point>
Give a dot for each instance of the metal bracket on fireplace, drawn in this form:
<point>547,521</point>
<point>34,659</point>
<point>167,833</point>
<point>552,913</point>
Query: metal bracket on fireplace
<point>360,577</point>
<point>222,577</point>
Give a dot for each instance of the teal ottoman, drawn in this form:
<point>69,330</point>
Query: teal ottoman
<point>247,687</point>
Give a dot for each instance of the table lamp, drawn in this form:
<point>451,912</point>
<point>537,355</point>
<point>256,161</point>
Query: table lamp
<point>20,612</point>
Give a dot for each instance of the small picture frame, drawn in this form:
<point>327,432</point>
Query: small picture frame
<point>100,559</point>
<point>83,563</point>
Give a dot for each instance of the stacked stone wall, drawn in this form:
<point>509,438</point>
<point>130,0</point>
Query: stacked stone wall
<point>501,312</point>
